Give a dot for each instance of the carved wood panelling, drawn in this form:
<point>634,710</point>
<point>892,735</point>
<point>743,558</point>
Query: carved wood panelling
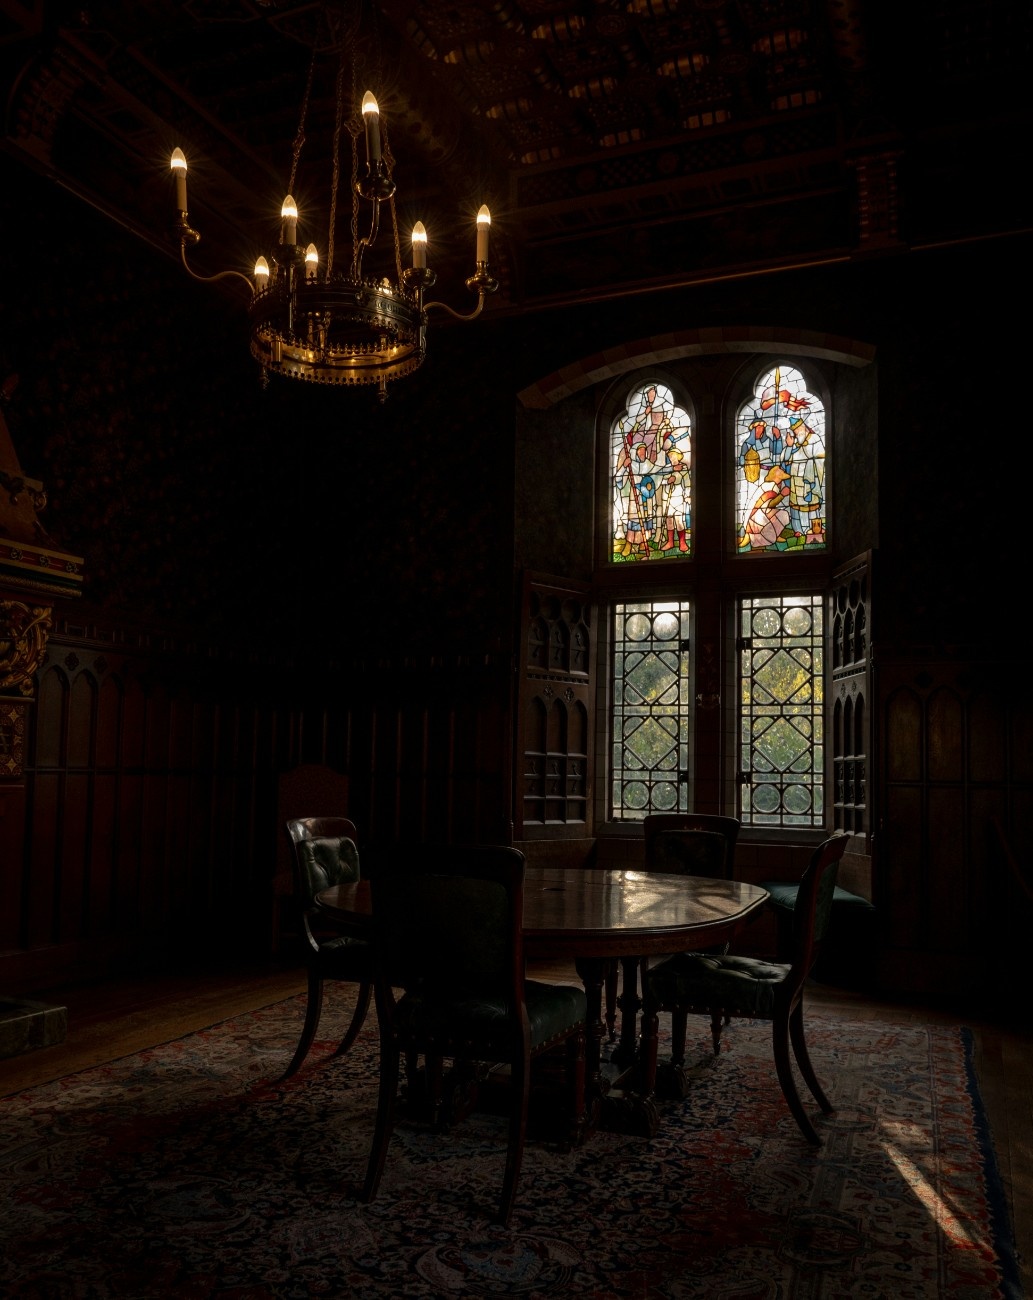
<point>554,745</point>
<point>956,753</point>
<point>150,789</point>
<point>850,736</point>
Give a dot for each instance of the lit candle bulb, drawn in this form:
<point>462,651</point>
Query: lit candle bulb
<point>289,215</point>
<point>371,121</point>
<point>419,245</point>
<point>483,227</point>
<point>311,262</point>
<point>261,273</point>
<point>179,170</point>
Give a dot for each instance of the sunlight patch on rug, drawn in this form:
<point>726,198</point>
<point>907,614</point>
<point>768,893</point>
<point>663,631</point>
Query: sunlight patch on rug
<point>189,1170</point>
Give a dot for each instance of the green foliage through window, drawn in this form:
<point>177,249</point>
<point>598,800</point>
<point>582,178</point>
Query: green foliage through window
<point>782,749</point>
<point>651,708</point>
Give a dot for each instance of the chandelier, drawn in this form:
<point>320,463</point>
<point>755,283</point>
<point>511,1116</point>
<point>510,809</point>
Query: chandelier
<point>310,320</point>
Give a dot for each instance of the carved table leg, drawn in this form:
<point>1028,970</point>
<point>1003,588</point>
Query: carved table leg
<point>611,998</point>
<point>593,973</point>
<point>626,1051</point>
<point>619,1110</point>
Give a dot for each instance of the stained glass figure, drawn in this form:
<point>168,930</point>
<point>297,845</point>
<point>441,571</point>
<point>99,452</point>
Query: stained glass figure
<point>651,477</point>
<point>780,466</point>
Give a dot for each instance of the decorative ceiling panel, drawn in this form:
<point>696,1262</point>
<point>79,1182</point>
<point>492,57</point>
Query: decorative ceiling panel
<point>588,126</point>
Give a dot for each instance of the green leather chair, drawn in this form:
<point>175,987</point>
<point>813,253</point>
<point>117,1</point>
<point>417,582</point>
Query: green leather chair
<point>848,959</point>
<point>447,933</point>
<point>324,853</point>
<point>722,985</point>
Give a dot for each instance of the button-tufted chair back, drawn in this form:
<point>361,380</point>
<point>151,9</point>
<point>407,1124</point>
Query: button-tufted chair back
<point>325,853</point>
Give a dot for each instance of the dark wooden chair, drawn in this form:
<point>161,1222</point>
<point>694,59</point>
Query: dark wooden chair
<point>325,853</point>
<point>298,791</point>
<point>724,985</point>
<point>666,850</point>
<point>689,844</point>
<point>447,927</point>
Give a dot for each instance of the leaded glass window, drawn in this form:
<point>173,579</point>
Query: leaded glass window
<point>780,465</point>
<point>651,709</point>
<point>781,694</point>
<point>749,476</point>
<point>651,477</point>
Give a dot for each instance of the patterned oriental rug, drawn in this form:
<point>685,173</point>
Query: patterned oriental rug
<point>188,1171</point>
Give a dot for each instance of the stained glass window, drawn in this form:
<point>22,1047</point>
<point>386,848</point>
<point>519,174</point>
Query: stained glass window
<point>651,477</point>
<point>685,721</point>
<point>780,466</point>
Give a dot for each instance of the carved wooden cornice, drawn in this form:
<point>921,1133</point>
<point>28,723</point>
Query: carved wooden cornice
<point>33,571</point>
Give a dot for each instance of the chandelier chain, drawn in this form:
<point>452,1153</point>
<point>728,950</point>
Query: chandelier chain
<point>299,138</point>
<point>335,180</point>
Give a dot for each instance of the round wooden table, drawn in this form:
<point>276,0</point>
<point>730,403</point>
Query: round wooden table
<point>593,917</point>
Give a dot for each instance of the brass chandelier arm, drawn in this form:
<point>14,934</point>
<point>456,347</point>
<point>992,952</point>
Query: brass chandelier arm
<point>460,315</point>
<point>209,279</point>
<point>482,282</point>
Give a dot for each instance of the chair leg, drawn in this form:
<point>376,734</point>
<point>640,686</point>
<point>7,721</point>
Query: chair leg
<point>717,1020</point>
<point>803,1059</point>
<point>679,1023</point>
<point>434,1073</point>
<point>362,999</point>
<point>520,1082</point>
<point>780,1043</point>
<point>313,1009</point>
<point>384,1121</point>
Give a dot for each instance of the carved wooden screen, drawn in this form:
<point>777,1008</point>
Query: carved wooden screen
<point>554,711</point>
<point>850,713</point>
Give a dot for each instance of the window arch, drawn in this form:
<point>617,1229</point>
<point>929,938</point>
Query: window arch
<point>709,675</point>
<point>717,668</point>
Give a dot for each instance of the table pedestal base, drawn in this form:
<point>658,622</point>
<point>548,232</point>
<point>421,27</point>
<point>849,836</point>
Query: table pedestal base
<point>630,1113</point>
<point>612,1097</point>
<point>672,1082</point>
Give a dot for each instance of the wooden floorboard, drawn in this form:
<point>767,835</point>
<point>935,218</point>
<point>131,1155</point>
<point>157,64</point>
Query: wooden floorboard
<point>111,1020</point>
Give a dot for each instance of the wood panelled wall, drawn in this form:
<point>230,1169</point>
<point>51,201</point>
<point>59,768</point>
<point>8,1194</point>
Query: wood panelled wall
<point>146,821</point>
<point>956,751</point>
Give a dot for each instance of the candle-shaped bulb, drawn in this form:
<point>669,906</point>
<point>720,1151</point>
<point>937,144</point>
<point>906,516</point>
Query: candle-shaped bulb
<point>289,216</point>
<point>483,227</point>
<point>262,273</point>
<point>419,245</point>
<point>179,170</point>
<point>371,121</point>
<point>311,262</point>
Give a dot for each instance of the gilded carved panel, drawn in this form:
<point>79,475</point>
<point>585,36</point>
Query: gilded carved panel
<point>23,639</point>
